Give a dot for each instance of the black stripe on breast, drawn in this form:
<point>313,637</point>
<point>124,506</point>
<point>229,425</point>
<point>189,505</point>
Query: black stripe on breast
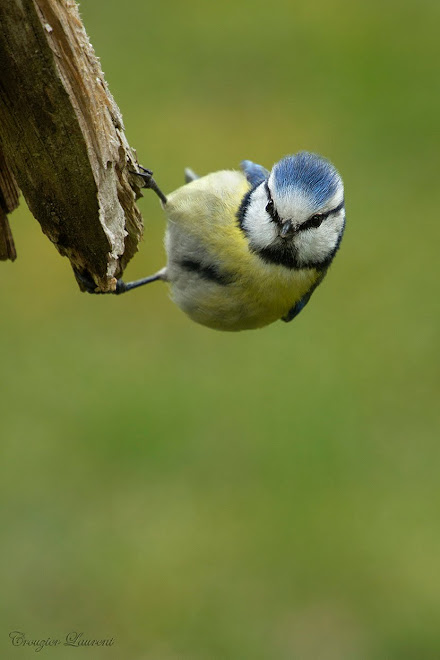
<point>281,254</point>
<point>286,255</point>
<point>210,272</point>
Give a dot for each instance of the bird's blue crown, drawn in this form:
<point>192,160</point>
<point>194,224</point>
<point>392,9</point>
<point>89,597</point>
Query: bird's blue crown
<point>308,173</point>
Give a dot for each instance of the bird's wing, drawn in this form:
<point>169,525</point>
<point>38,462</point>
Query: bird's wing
<point>254,173</point>
<point>297,308</point>
<point>302,302</point>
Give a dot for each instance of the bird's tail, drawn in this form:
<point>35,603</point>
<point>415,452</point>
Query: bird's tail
<point>190,175</point>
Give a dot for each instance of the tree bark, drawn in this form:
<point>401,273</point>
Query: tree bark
<point>9,193</point>
<point>63,142</point>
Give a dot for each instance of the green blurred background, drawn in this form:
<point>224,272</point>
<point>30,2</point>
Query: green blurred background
<point>271,494</point>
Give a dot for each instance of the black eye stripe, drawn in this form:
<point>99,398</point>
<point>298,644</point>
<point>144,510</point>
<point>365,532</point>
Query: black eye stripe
<point>270,207</point>
<point>336,209</point>
<point>313,222</point>
<point>310,223</point>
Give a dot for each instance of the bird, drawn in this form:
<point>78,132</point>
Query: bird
<point>248,247</point>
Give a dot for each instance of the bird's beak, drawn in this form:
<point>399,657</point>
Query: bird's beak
<point>286,229</point>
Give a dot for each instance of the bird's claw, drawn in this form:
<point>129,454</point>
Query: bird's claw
<point>145,174</point>
<point>87,281</point>
<point>90,285</point>
<point>148,182</point>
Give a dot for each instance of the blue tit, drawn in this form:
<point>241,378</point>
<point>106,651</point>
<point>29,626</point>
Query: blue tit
<point>248,248</point>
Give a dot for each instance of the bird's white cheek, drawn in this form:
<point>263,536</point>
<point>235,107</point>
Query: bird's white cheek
<point>257,222</point>
<point>315,245</point>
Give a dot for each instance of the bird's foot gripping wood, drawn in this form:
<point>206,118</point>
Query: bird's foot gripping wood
<point>148,182</point>
<point>89,284</point>
<point>121,287</point>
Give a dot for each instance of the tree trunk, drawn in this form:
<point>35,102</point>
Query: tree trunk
<point>63,142</point>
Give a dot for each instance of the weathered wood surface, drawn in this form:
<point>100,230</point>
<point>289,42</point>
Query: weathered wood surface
<point>9,194</point>
<point>62,136</point>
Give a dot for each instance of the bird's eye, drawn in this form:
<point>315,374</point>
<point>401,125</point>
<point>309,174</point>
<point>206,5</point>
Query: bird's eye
<point>269,207</point>
<point>316,220</point>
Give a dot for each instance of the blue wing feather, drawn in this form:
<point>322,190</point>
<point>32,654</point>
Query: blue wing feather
<point>254,173</point>
<point>299,306</point>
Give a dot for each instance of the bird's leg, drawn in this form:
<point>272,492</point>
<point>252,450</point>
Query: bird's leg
<point>121,287</point>
<point>149,182</point>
